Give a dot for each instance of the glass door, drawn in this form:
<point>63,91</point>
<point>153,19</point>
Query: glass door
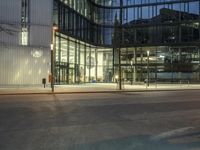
<point>71,75</point>
<point>63,75</point>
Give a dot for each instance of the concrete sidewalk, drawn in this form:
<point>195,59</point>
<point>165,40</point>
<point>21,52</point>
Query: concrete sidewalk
<point>96,88</point>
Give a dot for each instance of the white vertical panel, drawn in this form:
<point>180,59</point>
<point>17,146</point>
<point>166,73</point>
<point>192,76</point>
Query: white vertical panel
<point>10,19</point>
<point>40,35</point>
<point>10,10</point>
<point>19,67</point>
<point>17,64</point>
<point>41,12</point>
<point>40,22</point>
<point>10,34</point>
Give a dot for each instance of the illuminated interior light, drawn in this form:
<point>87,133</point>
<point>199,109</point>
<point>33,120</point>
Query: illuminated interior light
<point>24,36</point>
<point>162,56</point>
<point>36,53</point>
<point>53,46</point>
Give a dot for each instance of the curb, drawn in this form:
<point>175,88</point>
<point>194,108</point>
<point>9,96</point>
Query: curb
<point>93,92</point>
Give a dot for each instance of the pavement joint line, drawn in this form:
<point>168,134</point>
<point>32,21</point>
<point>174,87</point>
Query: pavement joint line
<point>91,92</point>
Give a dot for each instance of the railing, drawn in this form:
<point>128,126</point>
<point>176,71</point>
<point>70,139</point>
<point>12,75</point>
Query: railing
<point>182,82</point>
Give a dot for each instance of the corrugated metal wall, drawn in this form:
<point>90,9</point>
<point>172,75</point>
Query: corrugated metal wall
<point>40,12</point>
<point>10,34</point>
<point>20,66</point>
<point>40,22</point>
<point>10,10</point>
<point>10,21</point>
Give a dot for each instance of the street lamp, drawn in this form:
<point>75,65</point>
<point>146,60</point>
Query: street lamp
<point>148,68</point>
<point>54,29</point>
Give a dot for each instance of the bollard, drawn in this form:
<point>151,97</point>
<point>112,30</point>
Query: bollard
<point>44,82</point>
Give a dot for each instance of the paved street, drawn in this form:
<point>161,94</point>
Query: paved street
<point>125,121</point>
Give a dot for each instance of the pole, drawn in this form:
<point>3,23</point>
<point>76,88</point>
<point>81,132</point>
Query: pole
<point>120,45</point>
<point>120,77</point>
<point>132,72</point>
<point>148,68</point>
<point>134,67</point>
<point>52,61</point>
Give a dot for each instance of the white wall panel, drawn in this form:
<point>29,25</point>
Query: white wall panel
<point>18,66</point>
<point>40,22</point>
<point>10,19</point>
<point>10,34</point>
<point>40,35</point>
<point>41,12</point>
<point>10,10</point>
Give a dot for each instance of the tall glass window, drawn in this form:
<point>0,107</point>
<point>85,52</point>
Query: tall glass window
<point>24,22</point>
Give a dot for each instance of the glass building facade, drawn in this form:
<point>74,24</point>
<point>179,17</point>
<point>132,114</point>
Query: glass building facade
<point>80,62</point>
<point>155,38</point>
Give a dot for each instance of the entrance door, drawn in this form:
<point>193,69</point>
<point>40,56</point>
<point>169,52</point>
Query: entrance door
<point>63,75</point>
<point>71,75</point>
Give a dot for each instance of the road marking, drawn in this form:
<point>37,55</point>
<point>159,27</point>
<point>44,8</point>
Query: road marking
<point>171,133</point>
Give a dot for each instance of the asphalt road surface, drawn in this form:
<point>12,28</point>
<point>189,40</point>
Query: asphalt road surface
<point>110,121</point>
